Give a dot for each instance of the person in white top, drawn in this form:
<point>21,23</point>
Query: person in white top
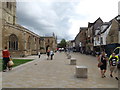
<point>51,54</point>
<point>39,54</point>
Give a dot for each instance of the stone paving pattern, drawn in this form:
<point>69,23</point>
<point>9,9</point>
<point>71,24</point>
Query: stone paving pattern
<point>57,73</point>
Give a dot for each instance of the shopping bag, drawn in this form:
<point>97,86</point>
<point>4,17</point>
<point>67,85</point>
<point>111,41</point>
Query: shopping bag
<point>10,63</point>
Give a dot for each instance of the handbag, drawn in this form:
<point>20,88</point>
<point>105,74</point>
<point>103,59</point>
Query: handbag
<point>99,64</point>
<point>10,63</point>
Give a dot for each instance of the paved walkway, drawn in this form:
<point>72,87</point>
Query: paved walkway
<point>57,73</point>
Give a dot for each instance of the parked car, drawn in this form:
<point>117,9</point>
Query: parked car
<point>117,51</point>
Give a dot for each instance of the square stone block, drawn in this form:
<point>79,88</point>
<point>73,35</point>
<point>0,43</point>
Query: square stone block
<point>73,61</point>
<point>69,56</point>
<point>81,72</point>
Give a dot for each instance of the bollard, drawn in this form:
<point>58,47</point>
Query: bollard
<point>81,72</point>
<point>73,61</point>
<point>69,56</point>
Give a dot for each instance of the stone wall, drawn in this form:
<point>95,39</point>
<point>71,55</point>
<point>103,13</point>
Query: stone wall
<point>9,15</point>
<point>0,28</point>
<point>113,34</point>
<point>51,41</point>
<point>28,42</point>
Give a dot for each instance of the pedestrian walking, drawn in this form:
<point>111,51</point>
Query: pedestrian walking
<point>102,59</point>
<point>39,54</point>
<point>51,54</point>
<point>113,61</point>
<point>48,53</point>
<point>6,59</point>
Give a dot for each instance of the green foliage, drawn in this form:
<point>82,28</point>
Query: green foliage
<point>17,62</point>
<point>62,43</point>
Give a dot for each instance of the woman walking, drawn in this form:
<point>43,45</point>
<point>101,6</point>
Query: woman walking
<point>6,59</point>
<point>102,59</point>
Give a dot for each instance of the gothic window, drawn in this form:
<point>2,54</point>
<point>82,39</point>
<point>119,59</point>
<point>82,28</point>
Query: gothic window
<point>13,42</point>
<point>9,5</point>
<point>35,40</point>
<point>29,44</point>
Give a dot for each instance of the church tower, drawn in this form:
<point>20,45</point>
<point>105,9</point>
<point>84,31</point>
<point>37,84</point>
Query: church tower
<point>0,28</point>
<point>7,15</point>
<point>9,12</point>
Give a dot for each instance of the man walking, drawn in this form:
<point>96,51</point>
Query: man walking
<point>113,60</point>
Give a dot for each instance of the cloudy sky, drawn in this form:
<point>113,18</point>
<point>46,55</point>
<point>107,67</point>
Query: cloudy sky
<point>63,17</point>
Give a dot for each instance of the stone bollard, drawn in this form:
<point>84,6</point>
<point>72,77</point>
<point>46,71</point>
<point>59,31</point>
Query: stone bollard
<point>81,72</point>
<point>69,56</point>
<point>73,61</point>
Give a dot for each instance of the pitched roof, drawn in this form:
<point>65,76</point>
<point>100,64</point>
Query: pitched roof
<point>98,19</point>
<point>91,24</point>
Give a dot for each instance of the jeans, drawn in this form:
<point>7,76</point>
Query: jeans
<point>5,62</point>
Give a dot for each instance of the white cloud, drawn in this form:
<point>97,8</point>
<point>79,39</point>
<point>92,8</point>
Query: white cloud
<point>91,10</point>
<point>64,17</point>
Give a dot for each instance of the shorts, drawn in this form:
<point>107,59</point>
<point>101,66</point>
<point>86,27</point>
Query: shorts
<point>113,68</point>
<point>103,67</point>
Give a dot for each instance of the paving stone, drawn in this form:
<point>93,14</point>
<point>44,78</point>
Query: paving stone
<point>57,73</point>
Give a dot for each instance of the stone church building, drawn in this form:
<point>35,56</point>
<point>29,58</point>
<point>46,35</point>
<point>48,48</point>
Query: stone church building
<point>19,40</point>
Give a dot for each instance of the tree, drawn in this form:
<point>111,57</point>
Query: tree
<point>62,43</point>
